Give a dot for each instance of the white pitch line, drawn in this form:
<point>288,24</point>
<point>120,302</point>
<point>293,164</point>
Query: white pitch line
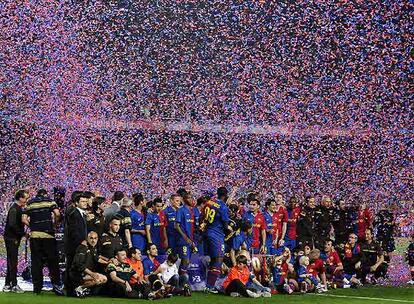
<point>363,298</point>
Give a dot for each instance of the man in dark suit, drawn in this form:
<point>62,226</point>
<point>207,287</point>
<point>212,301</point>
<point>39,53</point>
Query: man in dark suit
<point>13,233</point>
<point>114,208</point>
<point>68,211</point>
<point>75,233</point>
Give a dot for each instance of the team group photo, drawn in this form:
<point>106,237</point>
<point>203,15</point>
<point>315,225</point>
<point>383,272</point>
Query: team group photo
<point>217,244</point>
<point>206,151</point>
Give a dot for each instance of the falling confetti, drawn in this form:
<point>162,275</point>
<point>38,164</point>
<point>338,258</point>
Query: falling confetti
<point>150,96</point>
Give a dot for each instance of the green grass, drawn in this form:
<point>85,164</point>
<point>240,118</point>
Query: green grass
<point>401,295</point>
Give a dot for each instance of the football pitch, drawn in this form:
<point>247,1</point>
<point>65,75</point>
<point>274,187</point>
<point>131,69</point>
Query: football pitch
<point>366,295</point>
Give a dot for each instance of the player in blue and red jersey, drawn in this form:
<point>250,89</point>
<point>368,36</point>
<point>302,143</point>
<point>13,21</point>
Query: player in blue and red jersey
<point>150,263</point>
<point>214,223</point>
<point>138,234</point>
<point>270,207</point>
<point>351,258</point>
<point>257,240</point>
<point>185,225</point>
<point>198,235</point>
<point>333,264</point>
<point>155,224</point>
<point>280,219</point>
<point>364,220</point>
<point>170,215</point>
<point>238,241</point>
<point>293,211</point>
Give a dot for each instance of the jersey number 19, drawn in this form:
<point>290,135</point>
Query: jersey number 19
<point>209,214</point>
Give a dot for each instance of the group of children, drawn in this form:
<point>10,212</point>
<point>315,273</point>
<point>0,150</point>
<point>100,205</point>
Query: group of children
<point>304,270</point>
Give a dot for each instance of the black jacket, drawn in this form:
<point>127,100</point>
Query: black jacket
<point>85,257</point>
<point>323,220</point>
<point>14,226</point>
<point>306,223</point>
<point>75,230</point>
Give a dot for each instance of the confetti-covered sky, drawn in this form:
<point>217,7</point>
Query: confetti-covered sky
<point>304,97</point>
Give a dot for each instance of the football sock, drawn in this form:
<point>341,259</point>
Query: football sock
<point>212,276</point>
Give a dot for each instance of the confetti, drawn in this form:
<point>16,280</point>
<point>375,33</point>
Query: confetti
<point>150,96</point>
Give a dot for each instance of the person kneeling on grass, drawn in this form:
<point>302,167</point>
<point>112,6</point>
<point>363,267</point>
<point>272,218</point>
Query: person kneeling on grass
<point>120,274</point>
<point>352,258</point>
<point>83,269</point>
<point>135,261</point>
<point>152,272</point>
<point>177,284</point>
<point>333,265</point>
<point>372,261</point>
<point>235,283</point>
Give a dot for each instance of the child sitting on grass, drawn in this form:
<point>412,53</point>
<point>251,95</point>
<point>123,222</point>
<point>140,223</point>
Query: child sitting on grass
<point>235,283</point>
<point>306,280</point>
<point>280,271</point>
